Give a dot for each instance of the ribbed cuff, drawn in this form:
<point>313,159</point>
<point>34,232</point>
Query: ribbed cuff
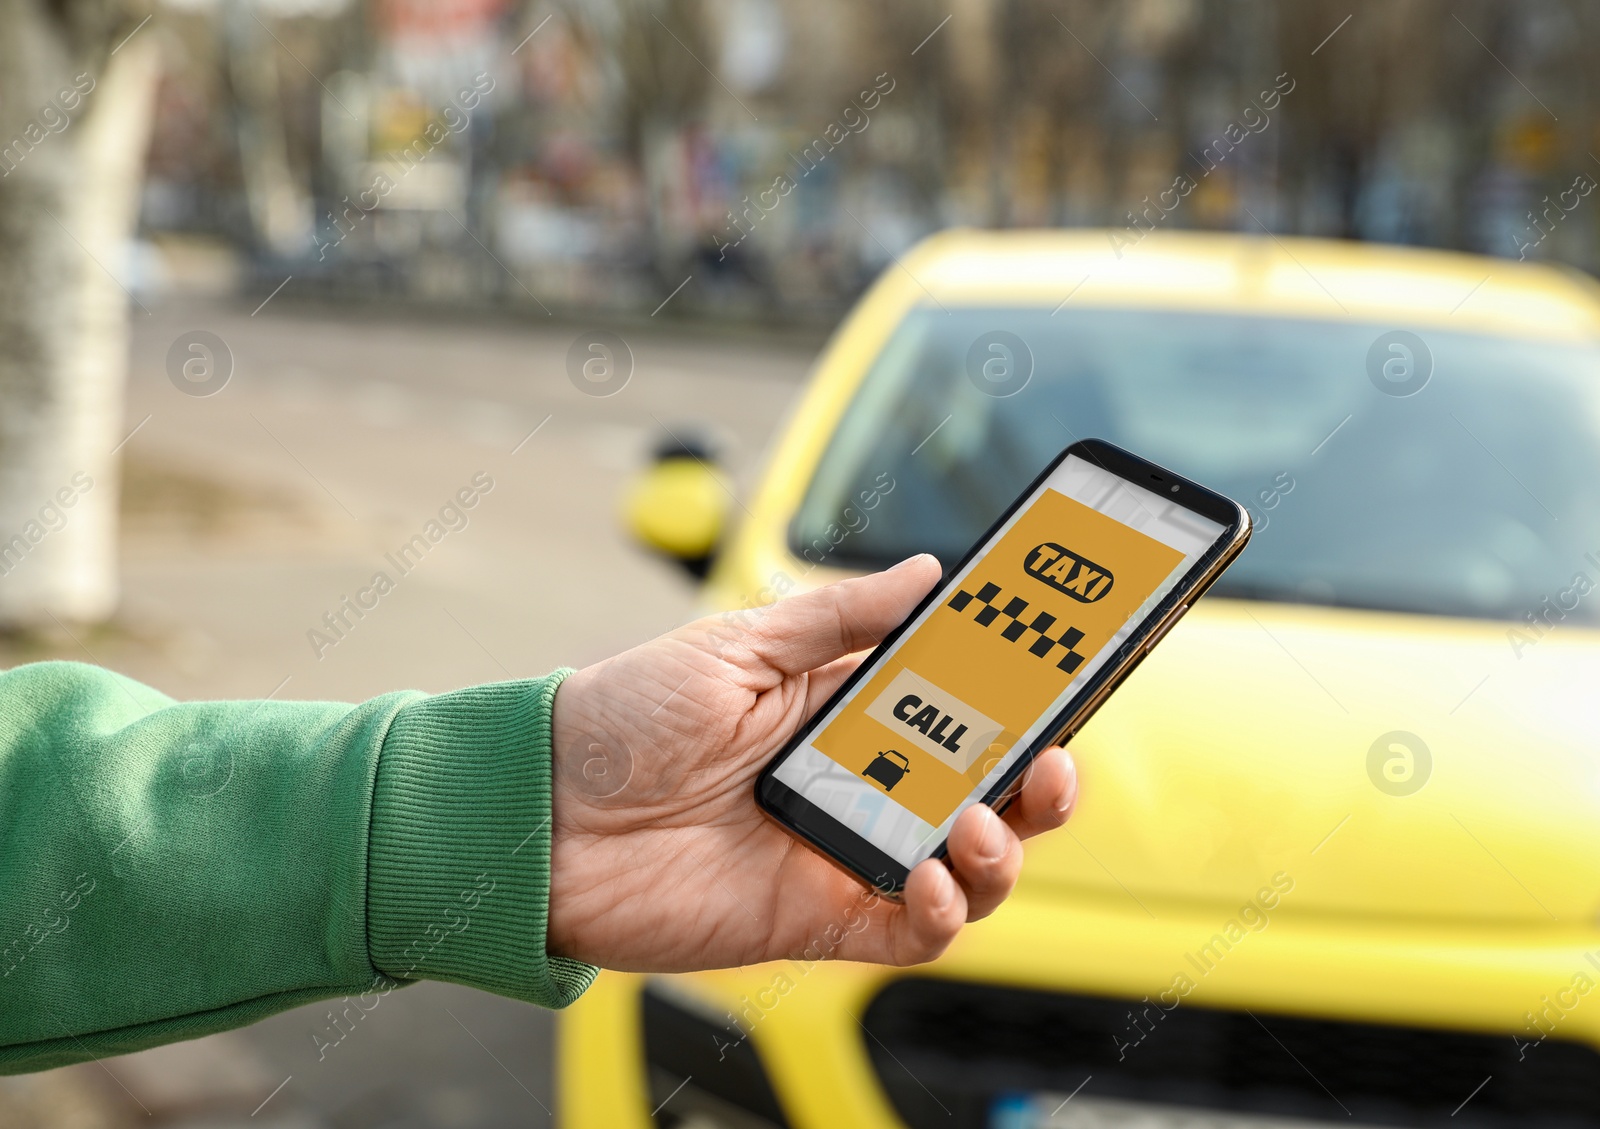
<point>459,860</point>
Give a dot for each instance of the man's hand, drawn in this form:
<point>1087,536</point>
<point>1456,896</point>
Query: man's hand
<point>661,859</point>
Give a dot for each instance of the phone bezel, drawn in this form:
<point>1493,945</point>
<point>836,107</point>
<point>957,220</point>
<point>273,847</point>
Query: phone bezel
<point>848,849</point>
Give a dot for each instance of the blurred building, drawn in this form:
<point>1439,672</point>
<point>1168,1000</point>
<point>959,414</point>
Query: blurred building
<point>778,153</point>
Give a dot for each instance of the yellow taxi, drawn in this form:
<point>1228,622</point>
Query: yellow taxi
<point>1337,856</point>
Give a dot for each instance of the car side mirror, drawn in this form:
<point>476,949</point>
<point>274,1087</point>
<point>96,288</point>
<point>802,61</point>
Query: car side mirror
<point>679,507</point>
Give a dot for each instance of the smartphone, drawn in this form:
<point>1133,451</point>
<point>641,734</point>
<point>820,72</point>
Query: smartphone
<point>1012,652</point>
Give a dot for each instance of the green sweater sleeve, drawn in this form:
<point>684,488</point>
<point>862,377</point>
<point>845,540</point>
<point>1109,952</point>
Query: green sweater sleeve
<point>169,869</point>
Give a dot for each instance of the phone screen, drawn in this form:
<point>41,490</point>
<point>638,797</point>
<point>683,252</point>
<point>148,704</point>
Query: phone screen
<point>978,676</point>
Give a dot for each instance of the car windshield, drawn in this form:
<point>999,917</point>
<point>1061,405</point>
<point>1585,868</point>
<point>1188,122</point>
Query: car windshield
<point>1477,495</point>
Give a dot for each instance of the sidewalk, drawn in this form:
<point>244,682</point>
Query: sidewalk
<point>249,516</point>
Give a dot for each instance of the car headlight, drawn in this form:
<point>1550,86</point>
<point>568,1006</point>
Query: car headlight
<point>702,1071</point>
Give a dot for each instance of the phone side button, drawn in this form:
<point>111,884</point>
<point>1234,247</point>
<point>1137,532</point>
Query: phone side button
<point>1161,632</point>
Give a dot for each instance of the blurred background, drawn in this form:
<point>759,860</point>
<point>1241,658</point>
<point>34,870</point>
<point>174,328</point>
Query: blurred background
<point>277,277</point>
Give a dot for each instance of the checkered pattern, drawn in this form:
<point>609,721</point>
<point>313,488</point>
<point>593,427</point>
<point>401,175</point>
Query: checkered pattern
<point>1016,628</point>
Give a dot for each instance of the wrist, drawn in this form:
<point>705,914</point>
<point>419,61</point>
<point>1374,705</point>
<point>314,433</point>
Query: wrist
<point>591,760</point>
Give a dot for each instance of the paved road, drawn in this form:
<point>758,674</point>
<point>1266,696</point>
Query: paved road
<point>252,513</point>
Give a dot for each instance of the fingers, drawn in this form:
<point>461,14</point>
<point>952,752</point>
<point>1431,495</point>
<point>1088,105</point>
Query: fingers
<point>1049,791</point>
<point>985,859</point>
<point>937,901</point>
<point>986,849</point>
<point>935,907</point>
<point>805,632</point>
<point>986,856</point>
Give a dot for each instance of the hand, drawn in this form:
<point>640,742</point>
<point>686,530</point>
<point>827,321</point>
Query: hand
<point>661,860</point>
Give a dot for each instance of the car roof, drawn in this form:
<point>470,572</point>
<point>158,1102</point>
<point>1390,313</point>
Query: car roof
<point>1255,274</point>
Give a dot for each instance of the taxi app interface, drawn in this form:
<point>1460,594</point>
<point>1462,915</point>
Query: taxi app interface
<point>1011,635</point>
<point>984,669</point>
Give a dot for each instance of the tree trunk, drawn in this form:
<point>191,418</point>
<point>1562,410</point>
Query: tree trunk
<point>70,173</point>
<point>280,209</point>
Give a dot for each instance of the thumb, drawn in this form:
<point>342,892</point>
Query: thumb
<point>804,632</point>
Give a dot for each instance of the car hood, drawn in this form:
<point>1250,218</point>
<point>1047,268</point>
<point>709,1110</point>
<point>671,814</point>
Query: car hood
<point>1240,755</point>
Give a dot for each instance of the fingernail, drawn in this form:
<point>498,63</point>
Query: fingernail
<point>947,891</point>
<point>911,561</point>
<point>992,843</point>
<point>1069,790</point>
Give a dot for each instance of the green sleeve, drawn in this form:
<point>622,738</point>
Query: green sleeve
<point>168,870</point>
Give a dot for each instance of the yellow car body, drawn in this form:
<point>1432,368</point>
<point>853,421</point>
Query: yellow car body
<point>1226,788</point>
